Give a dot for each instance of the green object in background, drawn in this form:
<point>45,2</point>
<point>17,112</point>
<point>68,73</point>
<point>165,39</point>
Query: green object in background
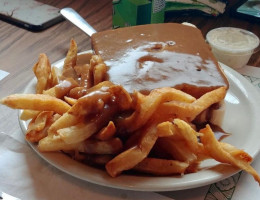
<point>250,7</point>
<point>182,5</point>
<point>137,12</point>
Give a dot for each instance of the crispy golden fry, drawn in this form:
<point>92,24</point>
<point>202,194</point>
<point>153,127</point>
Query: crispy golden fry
<point>39,122</point>
<point>183,145</point>
<point>99,73</point>
<point>66,120</point>
<point>161,167</point>
<point>191,110</point>
<point>107,132</point>
<point>240,154</point>
<point>42,71</point>
<point>112,146</point>
<point>166,129</point>
<point>95,60</point>
<point>71,58</point>
<point>28,114</point>
<point>182,110</point>
<point>216,151</point>
<point>147,105</point>
<point>55,75</point>
<point>134,155</point>
<point>38,102</point>
<point>61,89</point>
<point>178,149</point>
<point>70,61</point>
<point>78,132</point>
<point>70,100</point>
<point>187,133</point>
<point>37,128</point>
<point>55,143</point>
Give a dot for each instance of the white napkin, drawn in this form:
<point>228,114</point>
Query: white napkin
<point>3,74</point>
<point>26,176</point>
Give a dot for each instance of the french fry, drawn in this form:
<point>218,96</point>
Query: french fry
<point>147,105</point>
<point>134,155</point>
<point>66,120</point>
<point>182,144</point>
<point>62,88</point>
<point>42,71</point>
<point>55,143</point>
<point>178,149</point>
<point>240,154</point>
<point>55,76</point>
<point>99,73</point>
<point>28,114</point>
<point>107,132</point>
<point>216,151</point>
<point>95,60</point>
<point>71,58</point>
<point>187,133</point>
<point>191,110</point>
<point>166,129</point>
<point>70,61</point>
<point>38,102</point>
<point>77,133</point>
<point>70,100</point>
<point>161,167</point>
<point>39,122</point>
<point>37,128</point>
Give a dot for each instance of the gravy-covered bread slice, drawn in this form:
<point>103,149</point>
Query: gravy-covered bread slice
<point>152,56</point>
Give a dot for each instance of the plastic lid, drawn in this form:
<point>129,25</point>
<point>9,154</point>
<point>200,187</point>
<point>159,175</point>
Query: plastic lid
<point>232,39</point>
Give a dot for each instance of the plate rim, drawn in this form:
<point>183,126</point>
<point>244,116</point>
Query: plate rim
<point>122,182</point>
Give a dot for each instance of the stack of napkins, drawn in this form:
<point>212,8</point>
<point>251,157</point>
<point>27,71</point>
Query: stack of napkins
<point>209,7</point>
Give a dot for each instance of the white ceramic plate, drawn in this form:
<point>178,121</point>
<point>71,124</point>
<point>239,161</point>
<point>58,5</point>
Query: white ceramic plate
<point>241,119</point>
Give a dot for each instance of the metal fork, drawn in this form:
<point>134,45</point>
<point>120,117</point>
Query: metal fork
<point>77,20</point>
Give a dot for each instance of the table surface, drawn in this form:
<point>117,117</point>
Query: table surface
<point>19,48</point>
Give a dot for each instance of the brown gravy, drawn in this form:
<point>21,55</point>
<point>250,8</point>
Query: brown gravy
<point>151,56</point>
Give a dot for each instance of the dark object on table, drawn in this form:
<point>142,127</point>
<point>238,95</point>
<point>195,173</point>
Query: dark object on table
<point>247,9</point>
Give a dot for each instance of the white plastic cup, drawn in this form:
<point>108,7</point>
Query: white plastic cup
<point>232,46</point>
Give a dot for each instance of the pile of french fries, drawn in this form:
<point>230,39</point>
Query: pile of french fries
<point>78,111</point>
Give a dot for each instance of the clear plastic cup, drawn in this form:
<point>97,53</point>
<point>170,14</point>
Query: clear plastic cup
<point>232,46</point>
